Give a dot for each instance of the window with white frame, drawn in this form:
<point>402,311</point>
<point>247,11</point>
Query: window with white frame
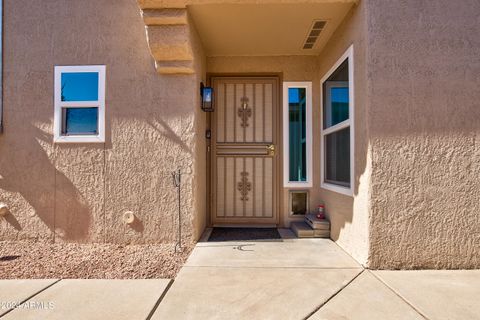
<point>337,126</point>
<point>297,130</point>
<point>79,104</point>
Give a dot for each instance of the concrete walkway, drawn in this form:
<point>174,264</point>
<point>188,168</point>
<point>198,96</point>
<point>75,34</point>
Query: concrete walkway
<point>310,279</point>
<point>80,299</point>
<point>278,279</point>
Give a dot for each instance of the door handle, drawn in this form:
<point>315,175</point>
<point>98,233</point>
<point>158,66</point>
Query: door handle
<point>271,149</point>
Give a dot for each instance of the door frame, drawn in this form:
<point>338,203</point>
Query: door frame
<point>279,149</point>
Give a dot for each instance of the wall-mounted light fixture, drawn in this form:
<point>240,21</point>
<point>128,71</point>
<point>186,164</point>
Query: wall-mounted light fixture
<point>207,98</point>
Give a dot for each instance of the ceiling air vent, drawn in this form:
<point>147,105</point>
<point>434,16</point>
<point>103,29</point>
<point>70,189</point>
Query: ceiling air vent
<point>315,30</point>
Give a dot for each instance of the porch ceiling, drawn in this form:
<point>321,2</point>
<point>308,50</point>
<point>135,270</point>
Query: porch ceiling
<point>265,28</point>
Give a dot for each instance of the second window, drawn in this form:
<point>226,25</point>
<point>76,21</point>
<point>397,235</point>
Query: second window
<point>297,124</point>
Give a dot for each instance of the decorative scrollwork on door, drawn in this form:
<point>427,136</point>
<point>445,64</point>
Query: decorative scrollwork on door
<point>244,112</point>
<point>244,186</point>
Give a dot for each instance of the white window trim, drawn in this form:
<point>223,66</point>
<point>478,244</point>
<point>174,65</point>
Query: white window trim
<point>339,126</point>
<point>286,147</point>
<point>59,104</point>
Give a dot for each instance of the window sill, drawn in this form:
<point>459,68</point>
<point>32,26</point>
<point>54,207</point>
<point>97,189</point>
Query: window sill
<point>305,184</point>
<point>79,139</point>
<point>338,189</point>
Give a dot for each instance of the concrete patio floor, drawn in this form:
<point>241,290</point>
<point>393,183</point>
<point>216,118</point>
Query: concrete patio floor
<point>278,279</point>
<point>309,279</point>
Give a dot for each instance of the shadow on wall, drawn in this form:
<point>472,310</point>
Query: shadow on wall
<point>38,188</point>
<point>162,127</point>
<point>137,226</point>
<point>28,171</point>
<point>11,220</point>
<point>342,208</point>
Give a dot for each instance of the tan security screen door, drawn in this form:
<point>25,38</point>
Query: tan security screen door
<point>244,155</point>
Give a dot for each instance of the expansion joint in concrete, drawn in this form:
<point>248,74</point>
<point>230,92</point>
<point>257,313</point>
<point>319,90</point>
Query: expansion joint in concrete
<point>274,267</point>
<point>150,315</point>
<point>333,295</point>
<point>400,296</point>
<point>31,296</point>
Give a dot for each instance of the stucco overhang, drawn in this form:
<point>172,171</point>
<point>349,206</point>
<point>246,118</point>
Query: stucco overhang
<point>236,28</point>
<point>265,29</point>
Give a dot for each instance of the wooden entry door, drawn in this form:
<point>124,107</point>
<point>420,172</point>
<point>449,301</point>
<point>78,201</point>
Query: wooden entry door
<point>244,151</point>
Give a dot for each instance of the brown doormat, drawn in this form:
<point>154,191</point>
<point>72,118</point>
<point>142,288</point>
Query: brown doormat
<point>244,234</point>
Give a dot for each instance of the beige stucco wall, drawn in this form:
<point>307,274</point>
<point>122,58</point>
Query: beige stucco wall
<point>417,151</point>
<point>349,215</point>
<point>78,192</point>
<point>425,133</point>
<point>199,221</point>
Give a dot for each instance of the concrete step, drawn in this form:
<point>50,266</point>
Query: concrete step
<point>303,230</point>
<point>316,223</point>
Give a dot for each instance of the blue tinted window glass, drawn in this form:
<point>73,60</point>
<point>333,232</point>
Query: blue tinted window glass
<point>336,96</point>
<point>79,86</point>
<point>339,98</point>
<point>80,121</point>
<point>294,95</point>
<point>297,128</point>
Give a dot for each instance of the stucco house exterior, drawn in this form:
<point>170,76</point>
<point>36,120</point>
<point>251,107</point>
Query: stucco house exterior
<point>369,107</point>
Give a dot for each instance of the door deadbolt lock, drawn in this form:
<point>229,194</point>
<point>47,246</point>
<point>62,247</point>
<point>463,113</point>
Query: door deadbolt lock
<point>271,149</point>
